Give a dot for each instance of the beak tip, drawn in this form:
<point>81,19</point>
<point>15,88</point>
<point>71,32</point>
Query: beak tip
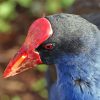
<point>5,75</point>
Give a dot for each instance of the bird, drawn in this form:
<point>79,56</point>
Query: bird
<point>72,44</point>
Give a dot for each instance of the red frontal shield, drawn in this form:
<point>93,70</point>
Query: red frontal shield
<point>27,57</point>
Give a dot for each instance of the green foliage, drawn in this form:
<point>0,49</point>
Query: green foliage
<point>42,68</point>
<point>16,98</point>
<point>52,7</point>
<point>24,3</point>
<point>4,26</point>
<point>44,93</point>
<point>7,13</point>
<point>39,85</point>
<point>7,10</point>
<point>67,3</point>
<point>4,97</point>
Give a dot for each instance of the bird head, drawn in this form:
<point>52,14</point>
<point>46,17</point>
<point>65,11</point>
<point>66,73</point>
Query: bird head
<point>52,38</point>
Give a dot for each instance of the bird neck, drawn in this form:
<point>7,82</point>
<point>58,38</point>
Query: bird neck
<point>78,77</point>
<point>78,67</point>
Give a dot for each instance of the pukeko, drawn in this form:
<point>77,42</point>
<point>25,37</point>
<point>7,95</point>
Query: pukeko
<point>72,44</point>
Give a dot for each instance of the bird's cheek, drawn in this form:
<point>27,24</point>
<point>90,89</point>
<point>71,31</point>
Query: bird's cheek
<point>46,59</point>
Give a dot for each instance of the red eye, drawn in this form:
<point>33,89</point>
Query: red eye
<point>48,46</point>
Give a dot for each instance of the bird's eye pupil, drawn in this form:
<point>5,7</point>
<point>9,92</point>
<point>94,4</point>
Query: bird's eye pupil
<point>48,46</point>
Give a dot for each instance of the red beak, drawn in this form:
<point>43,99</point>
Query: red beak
<point>27,57</point>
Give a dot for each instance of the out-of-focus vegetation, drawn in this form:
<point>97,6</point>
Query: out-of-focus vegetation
<point>9,9</point>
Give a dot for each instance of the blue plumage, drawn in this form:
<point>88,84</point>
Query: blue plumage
<point>78,81</point>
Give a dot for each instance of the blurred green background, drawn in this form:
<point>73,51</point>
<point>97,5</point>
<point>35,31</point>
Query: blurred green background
<point>15,19</point>
<point>11,9</point>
